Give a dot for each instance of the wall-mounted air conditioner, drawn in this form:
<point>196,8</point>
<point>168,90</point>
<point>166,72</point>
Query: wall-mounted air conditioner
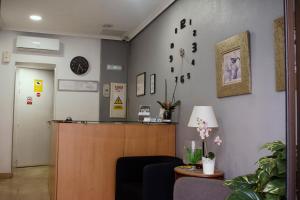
<point>37,43</point>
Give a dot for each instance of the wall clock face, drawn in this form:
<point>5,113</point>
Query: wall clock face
<point>79,65</point>
<point>182,55</point>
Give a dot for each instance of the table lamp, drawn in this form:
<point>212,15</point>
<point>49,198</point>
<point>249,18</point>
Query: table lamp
<point>205,113</point>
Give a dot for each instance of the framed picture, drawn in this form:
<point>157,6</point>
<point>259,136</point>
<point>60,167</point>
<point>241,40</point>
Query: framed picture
<point>152,83</point>
<point>141,84</point>
<point>279,53</point>
<point>233,66</point>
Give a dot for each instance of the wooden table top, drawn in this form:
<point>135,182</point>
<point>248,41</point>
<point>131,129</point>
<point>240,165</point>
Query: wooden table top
<point>197,172</point>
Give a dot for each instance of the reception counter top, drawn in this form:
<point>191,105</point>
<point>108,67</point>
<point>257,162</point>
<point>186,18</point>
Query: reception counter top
<point>113,122</point>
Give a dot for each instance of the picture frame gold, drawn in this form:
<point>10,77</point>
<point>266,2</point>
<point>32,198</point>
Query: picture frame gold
<point>279,53</point>
<point>233,75</point>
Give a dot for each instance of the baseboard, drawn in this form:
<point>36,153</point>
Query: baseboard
<point>6,175</point>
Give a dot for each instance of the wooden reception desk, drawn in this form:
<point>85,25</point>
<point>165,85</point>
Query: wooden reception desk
<point>84,156</point>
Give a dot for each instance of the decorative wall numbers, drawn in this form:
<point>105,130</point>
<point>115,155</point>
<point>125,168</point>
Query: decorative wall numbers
<point>185,52</point>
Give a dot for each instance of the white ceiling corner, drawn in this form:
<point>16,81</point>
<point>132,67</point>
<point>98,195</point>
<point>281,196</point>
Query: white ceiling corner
<point>131,34</point>
<point>83,18</point>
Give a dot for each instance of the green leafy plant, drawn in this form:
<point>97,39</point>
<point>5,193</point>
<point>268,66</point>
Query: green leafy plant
<point>268,182</point>
<point>193,156</point>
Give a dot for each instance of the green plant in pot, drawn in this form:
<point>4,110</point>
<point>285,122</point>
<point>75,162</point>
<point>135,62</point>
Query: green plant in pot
<point>268,182</point>
<point>169,106</point>
<point>192,153</point>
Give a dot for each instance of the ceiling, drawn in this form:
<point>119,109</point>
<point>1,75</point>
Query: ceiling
<point>82,17</point>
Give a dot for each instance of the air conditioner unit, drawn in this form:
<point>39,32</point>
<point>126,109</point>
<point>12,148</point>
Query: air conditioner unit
<point>37,43</point>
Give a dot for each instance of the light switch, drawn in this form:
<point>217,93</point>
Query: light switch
<point>106,90</point>
<point>6,57</point>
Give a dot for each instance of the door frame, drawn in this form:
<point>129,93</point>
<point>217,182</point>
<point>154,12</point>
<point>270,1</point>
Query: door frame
<point>292,81</point>
<point>37,66</point>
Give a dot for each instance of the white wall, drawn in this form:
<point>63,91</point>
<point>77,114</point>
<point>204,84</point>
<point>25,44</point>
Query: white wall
<point>80,106</point>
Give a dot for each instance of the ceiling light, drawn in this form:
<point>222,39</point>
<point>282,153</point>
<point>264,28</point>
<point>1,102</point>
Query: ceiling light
<point>35,17</point>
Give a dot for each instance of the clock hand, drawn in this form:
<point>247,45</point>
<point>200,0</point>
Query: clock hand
<point>79,66</point>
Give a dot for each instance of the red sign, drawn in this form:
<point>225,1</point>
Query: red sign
<point>29,101</point>
<point>38,94</point>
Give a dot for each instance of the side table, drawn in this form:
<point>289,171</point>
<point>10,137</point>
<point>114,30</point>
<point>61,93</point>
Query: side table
<point>182,171</point>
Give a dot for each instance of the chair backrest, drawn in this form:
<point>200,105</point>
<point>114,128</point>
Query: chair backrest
<point>190,188</point>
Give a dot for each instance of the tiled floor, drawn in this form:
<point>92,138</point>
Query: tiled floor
<point>27,184</point>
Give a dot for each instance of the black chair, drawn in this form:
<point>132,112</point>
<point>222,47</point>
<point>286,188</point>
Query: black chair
<point>146,177</point>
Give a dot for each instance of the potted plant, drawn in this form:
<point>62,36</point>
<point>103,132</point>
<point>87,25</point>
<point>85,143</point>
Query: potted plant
<point>193,153</point>
<point>268,182</point>
<point>169,106</point>
<point>209,158</point>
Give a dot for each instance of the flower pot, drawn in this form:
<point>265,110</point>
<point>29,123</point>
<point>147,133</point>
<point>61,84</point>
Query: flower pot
<point>208,165</point>
<point>168,114</point>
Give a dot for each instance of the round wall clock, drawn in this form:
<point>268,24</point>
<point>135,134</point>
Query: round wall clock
<point>79,65</point>
<point>185,28</point>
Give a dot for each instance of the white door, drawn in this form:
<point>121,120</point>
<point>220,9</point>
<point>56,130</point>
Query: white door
<point>33,111</point>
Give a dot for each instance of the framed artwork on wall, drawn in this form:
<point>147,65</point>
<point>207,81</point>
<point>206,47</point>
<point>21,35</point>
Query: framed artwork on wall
<point>279,53</point>
<point>141,84</point>
<point>233,66</point>
<point>152,83</point>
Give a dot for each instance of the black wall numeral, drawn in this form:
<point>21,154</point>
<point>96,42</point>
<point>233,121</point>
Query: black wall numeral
<point>176,79</point>
<point>172,45</point>
<point>194,48</point>
<point>176,30</point>
<point>182,23</point>
<point>182,79</point>
<point>172,69</point>
<point>188,76</point>
<point>193,62</point>
<point>171,58</point>
<point>191,22</point>
<point>194,33</point>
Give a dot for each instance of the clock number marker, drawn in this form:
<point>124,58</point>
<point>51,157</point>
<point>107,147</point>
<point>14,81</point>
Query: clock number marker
<point>170,58</point>
<point>194,47</point>
<point>194,33</point>
<point>182,79</point>
<point>176,30</point>
<point>188,76</point>
<point>176,79</point>
<point>193,62</point>
<point>172,45</point>
<point>190,21</point>
<point>182,23</point>
<point>172,69</point>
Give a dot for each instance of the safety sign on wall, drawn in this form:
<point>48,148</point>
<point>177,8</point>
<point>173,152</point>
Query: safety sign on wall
<point>29,100</point>
<point>38,85</point>
<point>117,100</point>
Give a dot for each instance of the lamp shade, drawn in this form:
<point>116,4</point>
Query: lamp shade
<point>205,113</point>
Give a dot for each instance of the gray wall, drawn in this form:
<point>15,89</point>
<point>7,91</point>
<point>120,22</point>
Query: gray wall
<point>116,53</point>
<point>247,121</point>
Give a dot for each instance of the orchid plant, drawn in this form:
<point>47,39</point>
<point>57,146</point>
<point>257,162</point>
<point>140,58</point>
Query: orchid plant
<point>204,133</point>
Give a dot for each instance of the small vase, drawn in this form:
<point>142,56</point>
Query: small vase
<point>168,114</point>
<point>208,165</point>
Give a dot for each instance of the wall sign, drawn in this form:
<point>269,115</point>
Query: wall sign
<point>77,85</point>
<point>38,85</point>
<point>117,100</point>
<point>29,100</point>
